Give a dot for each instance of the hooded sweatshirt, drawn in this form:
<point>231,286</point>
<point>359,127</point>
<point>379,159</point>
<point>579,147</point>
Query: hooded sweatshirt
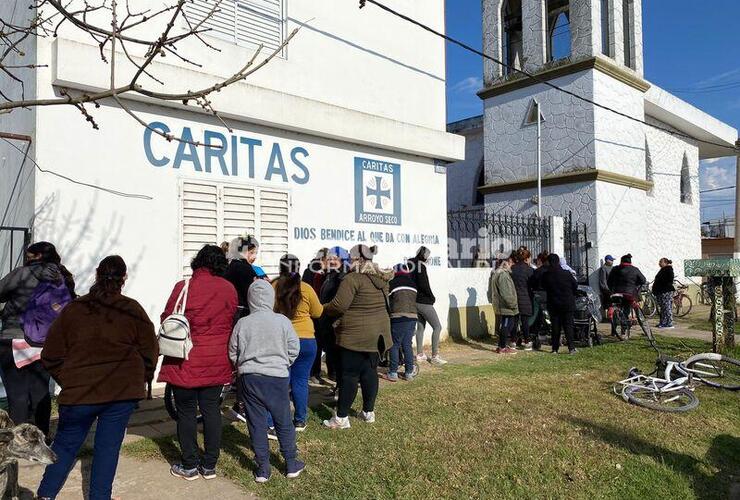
<point>263,343</point>
<point>418,264</point>
<point>17,288</point>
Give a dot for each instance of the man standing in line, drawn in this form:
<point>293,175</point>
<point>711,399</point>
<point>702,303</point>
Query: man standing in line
<point>604,271</point>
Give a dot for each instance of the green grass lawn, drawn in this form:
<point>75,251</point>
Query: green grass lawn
<point>525,426</point>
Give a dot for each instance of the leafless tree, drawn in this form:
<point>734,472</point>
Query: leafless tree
<point>122,38</point>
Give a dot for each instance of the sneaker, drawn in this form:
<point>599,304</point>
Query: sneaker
<point>178,470</point>
<point>262,476</point>
<point>299,426</point>
<point>271,434</point>
<point>367,416</point>
<point>669,327</point>
<point>511,345</point>
<point>337,423</point>
<point>421,357</point>
<point>207,473</point>
<point>553,352</point>
<point>409,377</point>
<point>314,381</point>
<point>437,360</point>
<point>527,346</point>
<point>390,377</point>
<point>238,412</point>
<point>573,351</point>
<point>295,470</point>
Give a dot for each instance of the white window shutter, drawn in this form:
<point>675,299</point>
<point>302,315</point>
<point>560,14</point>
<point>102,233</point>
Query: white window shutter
<point>274,228</point>
<point>200,222</point>
<point>250,22</point>
<point>214,212</point>
<point>239,211</point>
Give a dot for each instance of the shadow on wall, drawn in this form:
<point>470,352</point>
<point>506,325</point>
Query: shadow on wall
<point>469,321</point>
<point>79,238</point>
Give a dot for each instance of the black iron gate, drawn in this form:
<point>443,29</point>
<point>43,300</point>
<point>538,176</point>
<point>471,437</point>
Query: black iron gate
<point>577,246</point>
<point>13,243</point>
<point>477,236</point>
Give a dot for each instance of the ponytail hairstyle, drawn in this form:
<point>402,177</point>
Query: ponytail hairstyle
<point>666,261</point>
<point>288,286</point>
<point>109,277</point>
<point>47,254</point>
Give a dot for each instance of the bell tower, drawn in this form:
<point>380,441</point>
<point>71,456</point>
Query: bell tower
<point>537,34</point>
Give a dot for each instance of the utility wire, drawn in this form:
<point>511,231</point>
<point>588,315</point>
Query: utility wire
<point>101,188</point>
<point>716,189</point>
<point>538,79</point>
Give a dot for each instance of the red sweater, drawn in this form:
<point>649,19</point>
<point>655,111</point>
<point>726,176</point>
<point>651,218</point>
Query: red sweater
<point>210,309</point>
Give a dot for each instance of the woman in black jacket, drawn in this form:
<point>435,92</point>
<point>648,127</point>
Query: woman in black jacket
<point>663,290</point>
<point>522,273</point>
<point>425,307</point>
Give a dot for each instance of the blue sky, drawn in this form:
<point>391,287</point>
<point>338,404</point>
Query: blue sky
<point>690,49</point>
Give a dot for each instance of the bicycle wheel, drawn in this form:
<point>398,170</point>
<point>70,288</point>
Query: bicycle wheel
<point>617,323</point>
<point>676,401</point>
<point>649,307</point>
<point>715,370</point>
<point>169,402</point>
<point>682,305</point>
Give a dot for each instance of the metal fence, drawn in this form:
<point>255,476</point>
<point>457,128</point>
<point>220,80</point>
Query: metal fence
<point>577,246</point>
<point>13,243</point>
<point>477,236</point>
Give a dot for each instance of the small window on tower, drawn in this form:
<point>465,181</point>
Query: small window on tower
<point>512,39</point>
<point>628,23</point>
<point>558,29</point>
<point>685,181</point>
<point>605,28</point>
<point>479,199</point>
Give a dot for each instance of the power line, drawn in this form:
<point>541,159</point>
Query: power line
<point>93,186</point>
<point>716,189</point>
<point>536,78</point>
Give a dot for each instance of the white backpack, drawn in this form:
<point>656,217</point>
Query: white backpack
<point>174,334</point>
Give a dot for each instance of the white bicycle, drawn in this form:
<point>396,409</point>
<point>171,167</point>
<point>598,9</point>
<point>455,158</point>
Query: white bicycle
<point>670,387</point>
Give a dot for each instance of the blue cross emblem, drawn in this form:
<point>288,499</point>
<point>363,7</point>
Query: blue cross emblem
<point>378,192</point>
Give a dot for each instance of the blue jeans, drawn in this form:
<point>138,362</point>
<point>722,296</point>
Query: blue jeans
<point>402,331</point>
<point>300,370</point>
<point>74,424</point>
<point>264,396</point>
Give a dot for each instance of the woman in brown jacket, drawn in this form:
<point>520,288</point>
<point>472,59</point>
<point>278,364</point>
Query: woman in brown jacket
<point>364,330</point>
<point>101,350</point>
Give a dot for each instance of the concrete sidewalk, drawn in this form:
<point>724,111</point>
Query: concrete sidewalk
<point>135,481</point>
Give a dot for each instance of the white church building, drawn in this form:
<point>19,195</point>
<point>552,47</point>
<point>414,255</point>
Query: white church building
<point>635,186</point>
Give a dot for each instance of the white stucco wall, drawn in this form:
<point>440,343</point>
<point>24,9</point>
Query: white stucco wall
<point>462,176</point>
<point>87,224</point>
<point>360,59</point>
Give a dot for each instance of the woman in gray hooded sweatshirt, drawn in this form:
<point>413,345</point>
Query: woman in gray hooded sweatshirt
<point>262,347</point>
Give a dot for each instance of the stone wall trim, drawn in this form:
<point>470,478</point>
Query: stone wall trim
<point>591,175</point>
<point>520,81</point>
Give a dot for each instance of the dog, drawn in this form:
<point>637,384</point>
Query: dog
<point>24,442</point>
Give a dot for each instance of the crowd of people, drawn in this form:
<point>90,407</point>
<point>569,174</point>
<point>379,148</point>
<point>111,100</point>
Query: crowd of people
<point>521,289</point>
<point>102,350</point>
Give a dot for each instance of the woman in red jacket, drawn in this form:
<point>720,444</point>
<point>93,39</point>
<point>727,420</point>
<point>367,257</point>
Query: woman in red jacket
<point>197,382</point>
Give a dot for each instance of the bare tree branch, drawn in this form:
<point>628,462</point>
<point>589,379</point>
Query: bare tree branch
<point>119,43</point>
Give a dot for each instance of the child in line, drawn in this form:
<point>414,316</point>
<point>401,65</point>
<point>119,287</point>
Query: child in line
<point>262,347</point>
<point>402,297</point>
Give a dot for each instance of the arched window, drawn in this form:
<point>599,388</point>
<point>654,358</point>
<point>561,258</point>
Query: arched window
<point>627,24</point>
<point>685,181</point>
<point>512,31</point>
<point>649,168</point>
<point>558,29</point>
<point>605,28</point>
<point>479,199</point>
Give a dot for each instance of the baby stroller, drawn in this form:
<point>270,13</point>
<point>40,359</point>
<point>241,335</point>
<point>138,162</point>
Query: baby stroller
<point>587,316</point>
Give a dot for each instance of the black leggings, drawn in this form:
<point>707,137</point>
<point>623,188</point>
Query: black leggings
<point>561,320</point>
<point>189,401</point>
<point>27,388</point>
<point>357,367</point>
